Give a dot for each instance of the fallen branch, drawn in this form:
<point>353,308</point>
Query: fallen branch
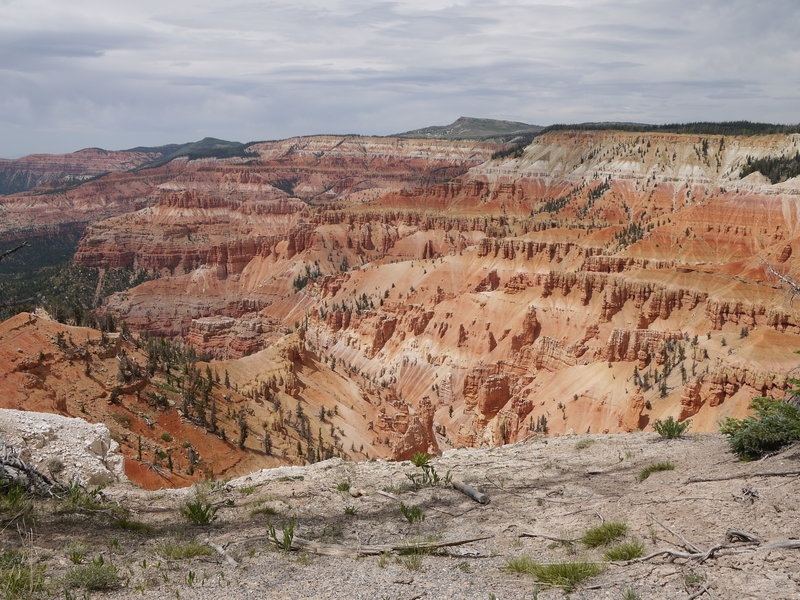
<point>744,476</point>
<point>686,543</point>
<point>723,549</point>
<point>388,495</point>
<point>549,537</point>
<point>221,551</point>
<point>7,253</point>
<point>470,492</point>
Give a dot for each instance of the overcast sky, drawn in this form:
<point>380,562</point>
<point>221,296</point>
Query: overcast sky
<point>118,74</point>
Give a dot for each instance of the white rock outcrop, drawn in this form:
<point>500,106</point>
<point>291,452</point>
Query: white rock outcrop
<point>78,448</point>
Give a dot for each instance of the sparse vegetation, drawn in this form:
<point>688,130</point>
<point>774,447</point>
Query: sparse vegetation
<point>604,534</point>
<point>655,468</point>
<point>183,550</point>
<point>131,525</point>
<point>18,578</point>
<point>671,428</point>
<point>583,444</point>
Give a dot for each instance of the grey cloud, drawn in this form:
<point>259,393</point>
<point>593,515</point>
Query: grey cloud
<point>161,72</point>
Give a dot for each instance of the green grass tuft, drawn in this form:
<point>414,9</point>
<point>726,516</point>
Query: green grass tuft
<point>604,534</point>
<point>180,551</point>
<point>566,575</point>
<point>625,551</point>
<point>92,577</point>
<point>664,465</point>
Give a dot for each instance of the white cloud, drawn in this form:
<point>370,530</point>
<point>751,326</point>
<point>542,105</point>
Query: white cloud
<point>125,74</point>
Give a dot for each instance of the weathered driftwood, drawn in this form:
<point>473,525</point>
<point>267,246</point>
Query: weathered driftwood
<point>471,492</point>
<point>744,476</point>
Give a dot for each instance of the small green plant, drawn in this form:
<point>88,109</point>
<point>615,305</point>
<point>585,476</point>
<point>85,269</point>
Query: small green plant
<point>428,478</point>
<point>350,510</point>
<point>199,510</point>
<point>413,514</point>
<point>630,594</point>
<point>671,428</point>
<point>420,459</point>
<point>604,534</point>
<point>566,575</point>
<point>343,486</point>
<point>583,444</point>
<point>247,490</point>
<point>625,551</point>
<point>14,500</point>
<point>775,425</point>
<point>284,542</point>
<point>183,550</point>
<point>79,499</point>
<point>664,465</point>
<point>166,437</point>
<point>95,576</point>
<point>693,578</point>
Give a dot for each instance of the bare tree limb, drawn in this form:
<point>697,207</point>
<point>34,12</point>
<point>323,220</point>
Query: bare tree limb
<point>7,253</point>
<point>686,543</point>
<point>221,551</point>
<point>549,537</point>
<point>744,476</point>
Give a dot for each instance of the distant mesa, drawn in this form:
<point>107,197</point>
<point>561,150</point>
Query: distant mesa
<point>470,128</point>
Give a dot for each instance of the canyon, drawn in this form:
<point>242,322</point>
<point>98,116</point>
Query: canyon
<point>377,297</point>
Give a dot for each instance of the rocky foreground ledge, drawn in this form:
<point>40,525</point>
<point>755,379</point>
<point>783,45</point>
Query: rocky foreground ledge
<point>728,527</point>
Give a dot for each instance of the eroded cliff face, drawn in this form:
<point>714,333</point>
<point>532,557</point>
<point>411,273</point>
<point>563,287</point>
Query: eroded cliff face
<point>36,170</point>
<point>597,282</point>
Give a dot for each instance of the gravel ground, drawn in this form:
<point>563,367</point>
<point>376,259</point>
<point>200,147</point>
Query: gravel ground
<point>558,487</point>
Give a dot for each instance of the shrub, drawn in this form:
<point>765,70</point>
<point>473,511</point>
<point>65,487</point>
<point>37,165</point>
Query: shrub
<point>583,444</point>
<point>625,551</point>
<point>604,534</point>
<point>654,468</point>
<point>567,575</point>
<point>93,577</point>
<point>671,428</point>
<point>199,511</point>
<point>343,486</point>
<point>775,425</point>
